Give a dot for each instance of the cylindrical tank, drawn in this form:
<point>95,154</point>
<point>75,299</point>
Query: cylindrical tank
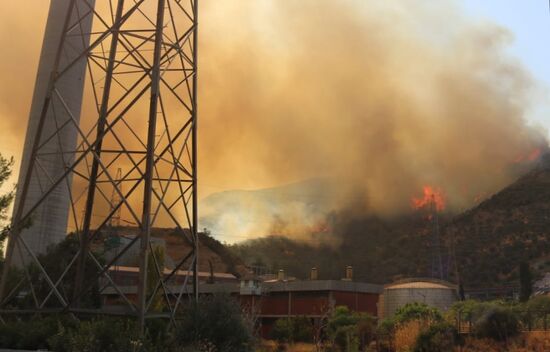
<point>436,293</point>
<point>49,221</point>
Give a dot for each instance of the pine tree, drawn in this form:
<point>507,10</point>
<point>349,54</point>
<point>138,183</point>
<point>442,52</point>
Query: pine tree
<point>525,282</point>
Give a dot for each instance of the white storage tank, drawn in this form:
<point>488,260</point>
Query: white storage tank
<point>435,293</point>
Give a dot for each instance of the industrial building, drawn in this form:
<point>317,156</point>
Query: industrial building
<point>268,300</point>
<point>280,297</point>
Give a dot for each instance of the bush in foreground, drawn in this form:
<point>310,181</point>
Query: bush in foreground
<point>216,324</point>
<point>32,334</point>
<point>292,330</point>
<point>437,337</point>
<point>499,324</point>
<point>350,331</point>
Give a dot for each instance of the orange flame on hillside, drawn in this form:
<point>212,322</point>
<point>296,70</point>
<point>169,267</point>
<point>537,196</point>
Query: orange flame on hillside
<point>430,194</point>
<point>531,156</point>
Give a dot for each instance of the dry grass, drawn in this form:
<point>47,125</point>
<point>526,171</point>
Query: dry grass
<point>406,335</point>
<point>271,346</point>
<point>536,341</point>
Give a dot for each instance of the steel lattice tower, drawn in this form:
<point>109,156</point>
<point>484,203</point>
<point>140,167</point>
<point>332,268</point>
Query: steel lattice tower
<point>121,92</point>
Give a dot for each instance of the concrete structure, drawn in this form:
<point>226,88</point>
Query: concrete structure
<point>49,221</point>
<point>436,293</point>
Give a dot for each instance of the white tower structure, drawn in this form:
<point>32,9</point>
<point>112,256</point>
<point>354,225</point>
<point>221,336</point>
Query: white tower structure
<point>48,224</point>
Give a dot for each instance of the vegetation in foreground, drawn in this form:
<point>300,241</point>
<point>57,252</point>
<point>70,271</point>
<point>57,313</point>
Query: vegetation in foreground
<point>218,324</point>
<point>484,327</point>
<point>214,324</point>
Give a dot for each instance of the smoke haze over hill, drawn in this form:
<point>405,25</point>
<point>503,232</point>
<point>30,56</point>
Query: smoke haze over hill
<point>383,98</point>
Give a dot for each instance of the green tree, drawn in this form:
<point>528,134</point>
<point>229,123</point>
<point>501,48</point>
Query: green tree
<point>6,198</point>
<point>525,282</point>
<point>366,328</point>
<point>350,330</point>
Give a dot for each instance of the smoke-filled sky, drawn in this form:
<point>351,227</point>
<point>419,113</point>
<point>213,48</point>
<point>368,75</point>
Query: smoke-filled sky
<point>385,97</point>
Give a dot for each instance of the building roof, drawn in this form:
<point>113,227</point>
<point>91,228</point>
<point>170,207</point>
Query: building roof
<point>133,269</point>
<point>279,286</point>
<point>321,285</point>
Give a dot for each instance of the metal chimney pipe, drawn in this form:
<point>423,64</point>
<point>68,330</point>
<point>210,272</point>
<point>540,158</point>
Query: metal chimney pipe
<point>314,274</point>
<point>349,273</point>
<point>281,275</point>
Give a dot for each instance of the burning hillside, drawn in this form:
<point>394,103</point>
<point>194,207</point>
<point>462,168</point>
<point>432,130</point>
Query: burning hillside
<point>337,90</point>
<point>483,245</point>
<point>381,97</point>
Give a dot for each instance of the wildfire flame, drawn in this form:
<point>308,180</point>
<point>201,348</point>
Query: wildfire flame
<point>531,156</point>
<point>430,195</point>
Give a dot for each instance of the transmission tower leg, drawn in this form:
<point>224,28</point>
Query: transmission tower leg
<point>148,181</point>
<point>194,157</point>
<point>102,121</point>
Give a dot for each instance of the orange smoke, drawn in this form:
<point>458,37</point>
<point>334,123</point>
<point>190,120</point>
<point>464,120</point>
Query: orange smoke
<point>430,195</point>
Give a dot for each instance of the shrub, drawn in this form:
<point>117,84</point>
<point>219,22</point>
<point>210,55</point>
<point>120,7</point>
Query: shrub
<point>366,328</point>
<point>384,334</point>
<point>437,337</point>
<point>349,330</point>
<point>416,311</point>
<point>291,330</point>
<point>534,313</point>
<point>99,335</point>
<point>31,334</point>
<point>282,331</point>
<point>215,322</point>
<point>498,323</point>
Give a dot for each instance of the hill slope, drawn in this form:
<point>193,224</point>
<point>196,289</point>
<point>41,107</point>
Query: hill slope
<point>511,226</point>
<point>483,245</point>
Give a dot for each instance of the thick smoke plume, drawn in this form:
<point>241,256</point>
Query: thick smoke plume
<point>380,98</point>
<point>383,97</point>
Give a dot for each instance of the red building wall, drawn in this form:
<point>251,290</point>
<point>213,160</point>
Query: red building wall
<point>309,303</point>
